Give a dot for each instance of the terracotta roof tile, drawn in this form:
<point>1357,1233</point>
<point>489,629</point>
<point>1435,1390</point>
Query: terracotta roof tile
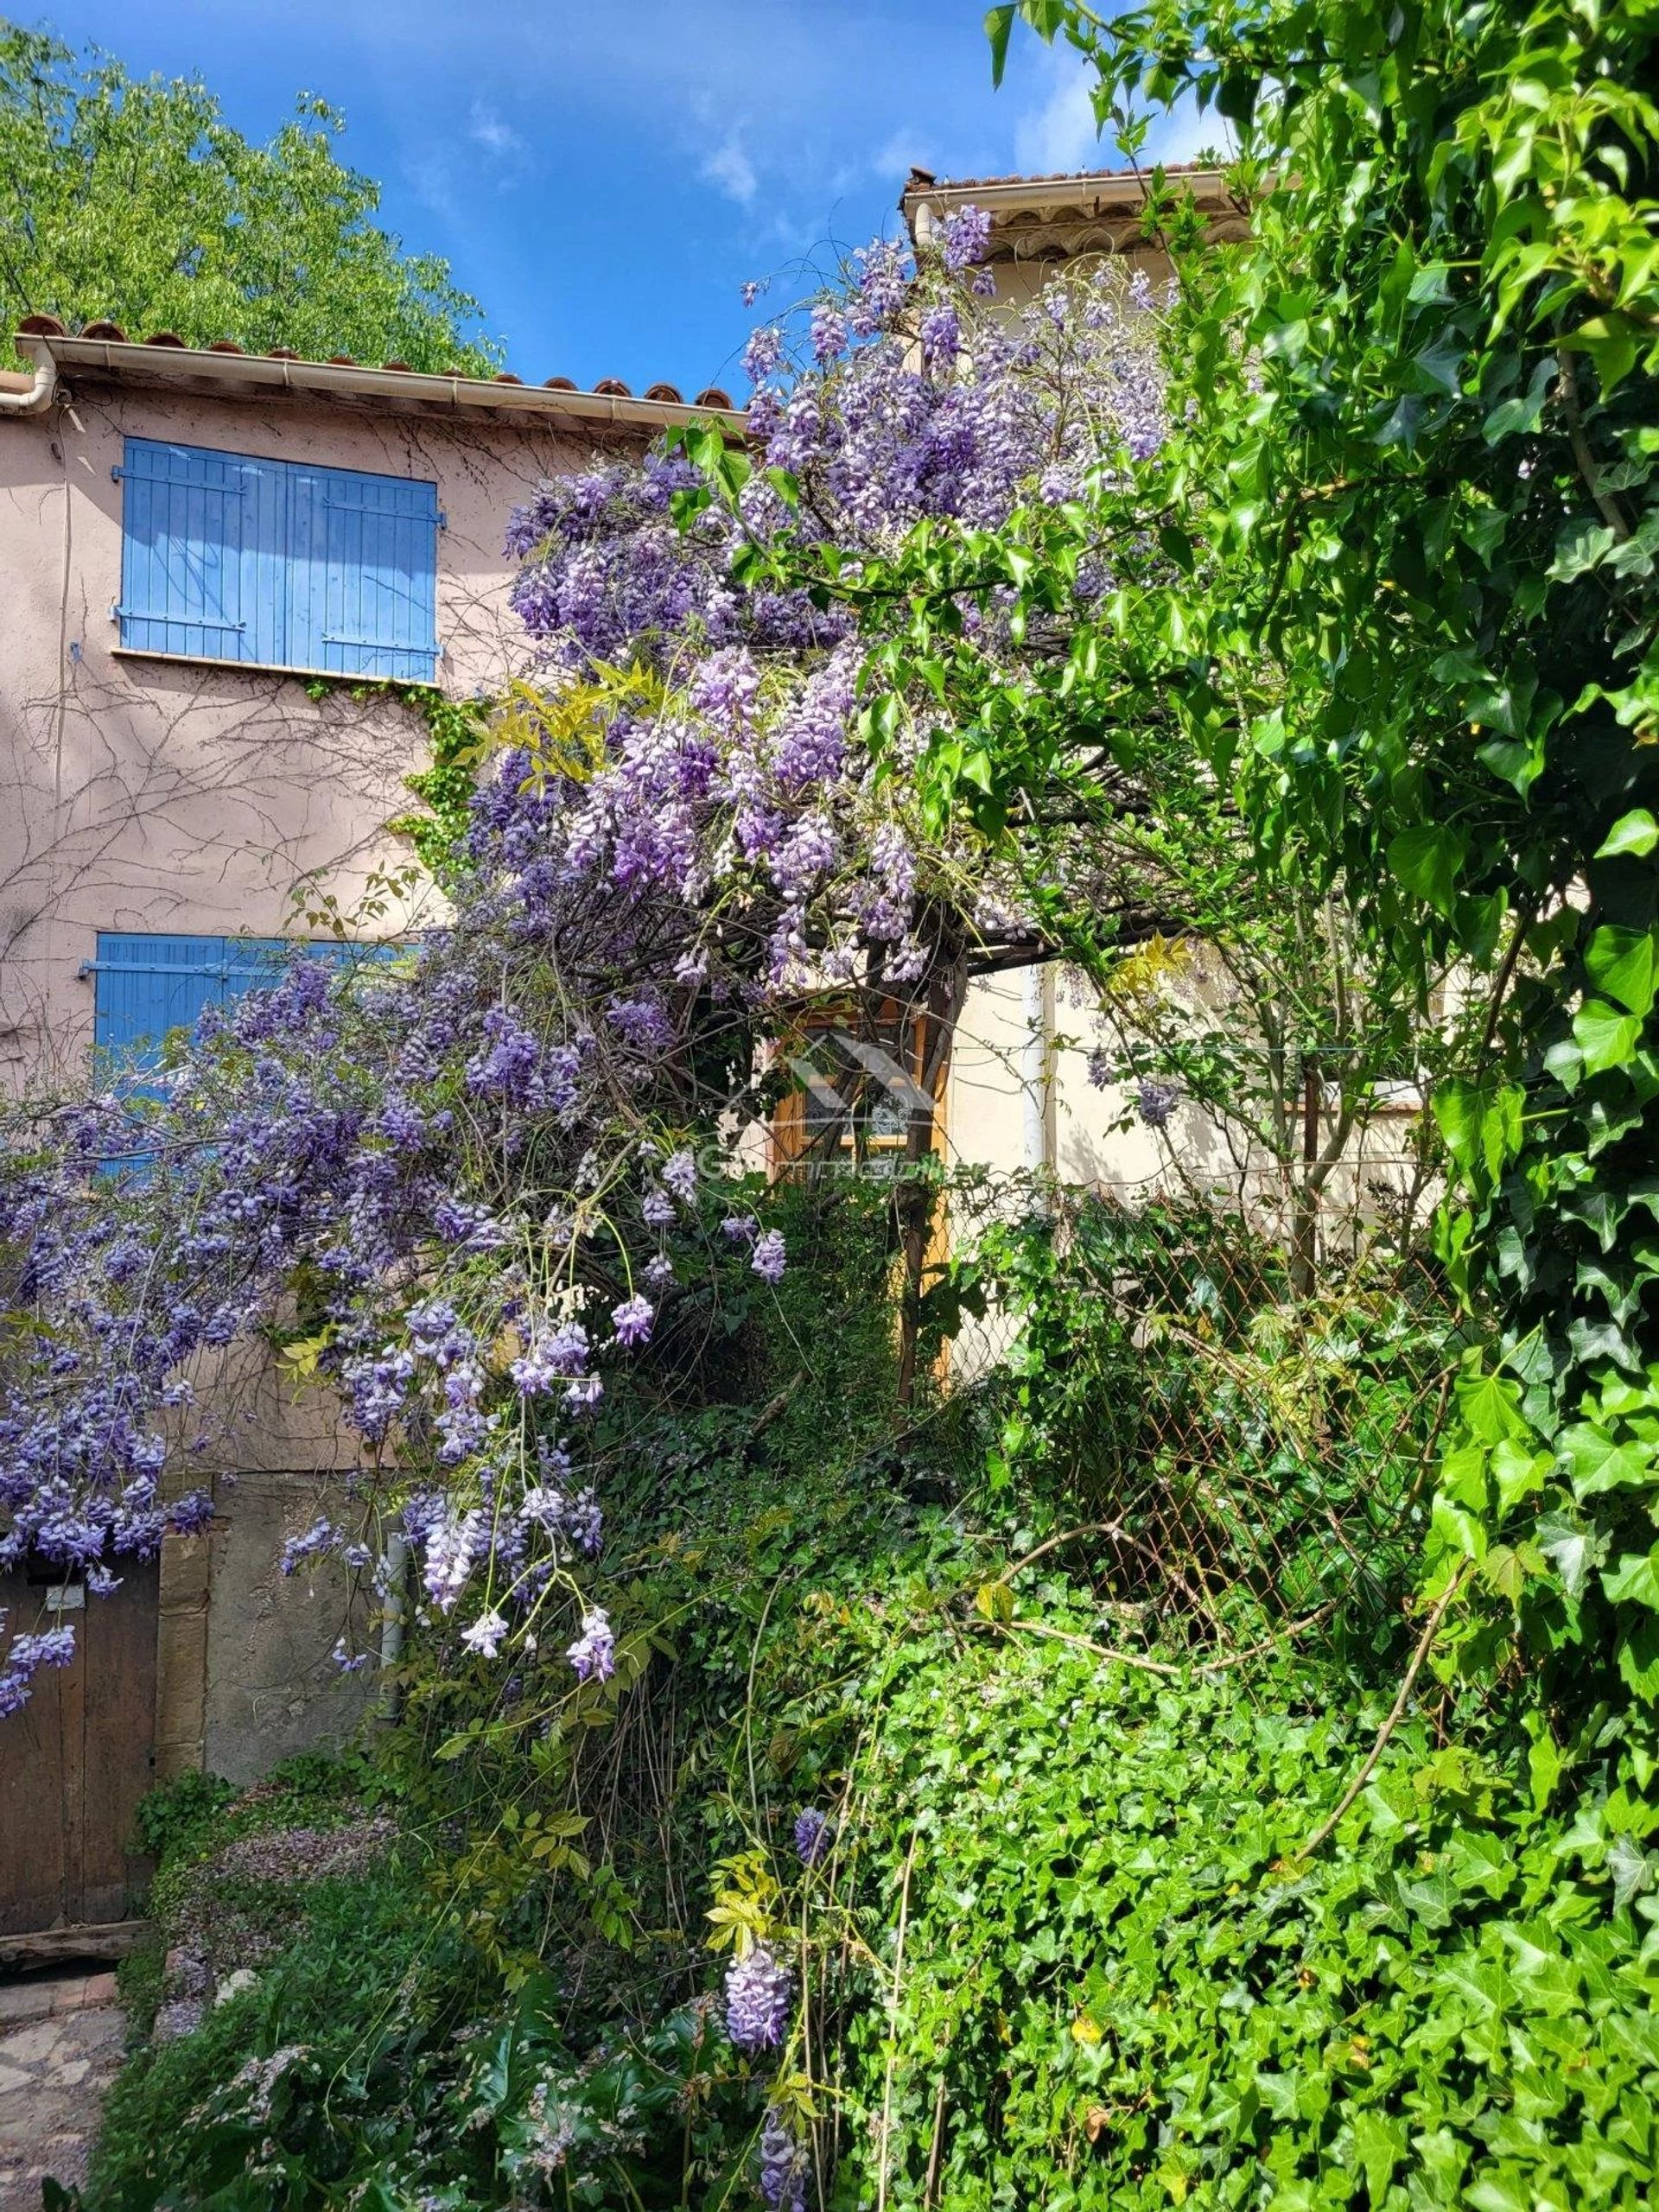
<point>922,181</point>
<point>49,326</point>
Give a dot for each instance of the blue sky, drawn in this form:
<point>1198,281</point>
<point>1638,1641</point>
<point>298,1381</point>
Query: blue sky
<point>604,174</point>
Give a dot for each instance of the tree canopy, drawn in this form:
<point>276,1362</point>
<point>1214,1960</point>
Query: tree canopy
<point>133,198</point>
<point>1412,614</point>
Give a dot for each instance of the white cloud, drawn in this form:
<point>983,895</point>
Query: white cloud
<point>495,136</point>
<point>1059,133</point>
<point>729,169</point>
<point>906,149</point>
<point>1184,134</point>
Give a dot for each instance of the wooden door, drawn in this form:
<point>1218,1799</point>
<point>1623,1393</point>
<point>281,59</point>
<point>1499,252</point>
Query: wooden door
<point>75,1761</point>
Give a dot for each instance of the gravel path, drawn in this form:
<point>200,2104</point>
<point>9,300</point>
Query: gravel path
<point>60,2046</point>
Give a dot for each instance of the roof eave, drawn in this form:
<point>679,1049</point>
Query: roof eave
<point>1096,196</point>
<point>199,368</point>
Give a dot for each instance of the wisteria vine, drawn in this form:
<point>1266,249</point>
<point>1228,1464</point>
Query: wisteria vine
<point>469,1186</point>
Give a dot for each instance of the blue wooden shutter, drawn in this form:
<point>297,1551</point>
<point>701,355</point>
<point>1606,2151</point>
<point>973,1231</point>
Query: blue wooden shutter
<point>364,576</point>
<point>201,545</point>
<point>148,985</point>
<point>225,557</point>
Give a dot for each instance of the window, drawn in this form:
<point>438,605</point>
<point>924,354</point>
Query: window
<point>148,985</point>
<point>856,1085</point>
<point>225,557</point>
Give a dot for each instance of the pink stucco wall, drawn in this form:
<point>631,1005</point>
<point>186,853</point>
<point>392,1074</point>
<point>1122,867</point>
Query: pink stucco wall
<point>140,794</point>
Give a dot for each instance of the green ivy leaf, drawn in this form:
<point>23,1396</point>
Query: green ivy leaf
<point>1380,2145</point>
<point>999,23</point>
<point>1636,833</point>
<point>1635,1579</point>
<point>1428,859</point>
<point>1490,1405</point>
<point>1571,1549</point>
<point>1600,1464</point>
<point>1610,340</point>
<point>1631,1868</point>
<point>1620,964</point>
<point>1638,1659</point>
<point>1482,1127</point>
<point>1545,1763</point>
<point>1606,1039</point>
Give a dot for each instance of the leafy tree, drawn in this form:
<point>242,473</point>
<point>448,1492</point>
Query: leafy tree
<point>133,198</point>
<point>1399,591</point>
<point>1412,612</point>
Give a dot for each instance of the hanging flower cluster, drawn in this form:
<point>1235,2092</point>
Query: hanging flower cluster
<point>759,1994</point>
<point>906,398</point>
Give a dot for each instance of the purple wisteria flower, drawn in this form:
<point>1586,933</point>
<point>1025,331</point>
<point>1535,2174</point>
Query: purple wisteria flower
<point>484,1635</point>
<point>770,1256</point>
<point>716,842</point>
<point>631,1320</point>
<point>559,1355</point>
<point>941,335</point>
<point>454,1544</point>
<point>53,1647</point>
<point>813,1834</point>
<point>763,352</point>
<point>883,271</point>
<point>1155,1102</point>
<point>320,1537</point>
<point>965,236</point>
<point>584,1524</point>
<point>594,1653</point>
<point>758,1994</point>
<point>829,332</point>
<point>784,2165</point>
<point>680,1176</point>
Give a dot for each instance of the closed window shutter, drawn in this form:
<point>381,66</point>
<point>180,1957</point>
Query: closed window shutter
<point>227,557</point>
<point>364,574</point>
<point>192,525</point>
<point>148,985</point>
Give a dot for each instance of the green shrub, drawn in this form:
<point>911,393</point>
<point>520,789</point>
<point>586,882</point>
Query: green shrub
<point>358,1981</point>
<point>1067,1950</point>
